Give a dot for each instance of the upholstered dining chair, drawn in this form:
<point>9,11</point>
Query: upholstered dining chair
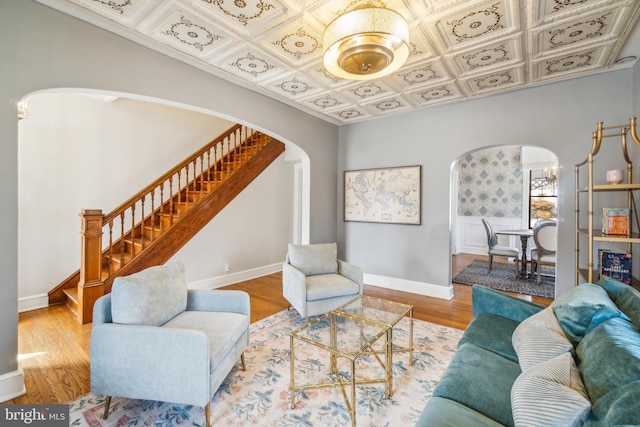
<point>154,339</point>
<point>545,237</point>
<point>315,281</point>
<point>499,250</point>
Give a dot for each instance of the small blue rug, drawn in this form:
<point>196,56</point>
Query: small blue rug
<point>502,278</point>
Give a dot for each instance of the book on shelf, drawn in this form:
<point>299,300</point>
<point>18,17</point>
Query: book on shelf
<point>614,264</point>
<point>615,221</point>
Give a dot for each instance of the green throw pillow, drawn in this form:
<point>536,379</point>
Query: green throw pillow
<point>625,297</point>
<point>583,308</point>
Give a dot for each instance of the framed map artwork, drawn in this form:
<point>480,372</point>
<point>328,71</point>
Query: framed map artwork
<point>390,195</point>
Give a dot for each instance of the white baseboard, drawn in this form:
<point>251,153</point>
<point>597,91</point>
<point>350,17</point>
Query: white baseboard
<point>421,288</point>
<point>12,385</point>
<point>230,279</point>
<point>33,302</point>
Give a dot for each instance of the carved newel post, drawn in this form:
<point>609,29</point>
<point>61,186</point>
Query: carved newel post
<point>91,286</point>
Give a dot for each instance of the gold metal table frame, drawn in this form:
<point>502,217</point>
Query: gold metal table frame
<point>375,319</point>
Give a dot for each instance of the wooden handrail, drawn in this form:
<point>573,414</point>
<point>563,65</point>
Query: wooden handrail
<point>133,199</point>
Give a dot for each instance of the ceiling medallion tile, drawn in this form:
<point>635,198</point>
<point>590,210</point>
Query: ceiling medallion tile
<point>544,11</point>
<point>297,86</point>
<point>191,34</point>
<point>242,10</point>
<point>186,32</point>
<point>350,114</point>
<point>251,64</point>
<point>127,12</point>
<point>115,5</point>
<point>480,59</point>
<point>478,23</point>
<point>437,94</point>
<point>570,63</point>
<point>422,74</point>
<point>326,102</point>
<point>299,44</point>
<point>487,57</point>
<point>589,29</point>
<point>369,90</point>
<point>495,82</point>
<point>387,105</point>
<point>248,18</point>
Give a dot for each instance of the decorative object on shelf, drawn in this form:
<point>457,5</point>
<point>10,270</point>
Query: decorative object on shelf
<point>390,195</point>
<point>615,221</point>
<point>615,264</point>
<point>615,176</point>
<point>366,43</point>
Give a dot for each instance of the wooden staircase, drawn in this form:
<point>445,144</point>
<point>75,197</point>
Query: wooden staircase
<point>155,223</point>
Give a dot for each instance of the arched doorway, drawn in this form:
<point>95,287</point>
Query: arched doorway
<point>81,149</point>
<point>511,186</point>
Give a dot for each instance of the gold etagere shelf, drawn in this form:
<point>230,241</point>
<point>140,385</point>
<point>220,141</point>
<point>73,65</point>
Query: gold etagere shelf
<point>595,235</point>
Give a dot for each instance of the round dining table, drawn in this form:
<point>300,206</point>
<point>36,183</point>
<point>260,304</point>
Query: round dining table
<point>524,235</point>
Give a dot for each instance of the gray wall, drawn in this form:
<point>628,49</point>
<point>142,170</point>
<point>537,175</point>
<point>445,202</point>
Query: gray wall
<point>558,116</point>
<point>42,49</point>
<point>636,89</point>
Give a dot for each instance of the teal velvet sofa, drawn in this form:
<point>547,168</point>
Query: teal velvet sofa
<point>575,363</point>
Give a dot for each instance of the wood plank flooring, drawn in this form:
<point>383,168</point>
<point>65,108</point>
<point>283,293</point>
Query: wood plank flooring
<point>54,347</point>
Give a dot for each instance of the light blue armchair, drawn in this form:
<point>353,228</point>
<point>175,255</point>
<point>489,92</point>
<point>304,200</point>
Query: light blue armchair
<point>154,339</point>
<point>315,281</point>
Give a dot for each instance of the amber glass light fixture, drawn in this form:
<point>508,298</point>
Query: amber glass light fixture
<point>366,43</point>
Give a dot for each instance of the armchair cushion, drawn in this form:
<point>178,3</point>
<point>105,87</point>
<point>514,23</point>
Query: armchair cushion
<point>323,286</point>
<point>223,329</point>
<point>314,259</point>
<point>150,297</point>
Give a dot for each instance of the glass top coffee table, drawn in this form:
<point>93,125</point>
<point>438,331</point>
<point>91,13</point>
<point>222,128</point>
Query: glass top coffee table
<point>360,328</point>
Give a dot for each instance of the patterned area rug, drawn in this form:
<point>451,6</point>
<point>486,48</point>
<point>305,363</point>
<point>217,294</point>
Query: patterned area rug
<point>261,395</point>
<point>502,278</point>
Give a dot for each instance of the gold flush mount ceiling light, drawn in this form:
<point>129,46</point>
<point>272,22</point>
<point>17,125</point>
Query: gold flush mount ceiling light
<point>366,43</point>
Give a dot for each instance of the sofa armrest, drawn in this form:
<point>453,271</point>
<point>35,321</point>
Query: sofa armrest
<point>487,300</point>
<point>147,362</point>
<point>218,300</point>
<point>351,272</point>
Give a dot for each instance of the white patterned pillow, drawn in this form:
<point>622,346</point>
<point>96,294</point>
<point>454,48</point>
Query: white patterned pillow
<point>550,394</point>
<point>539,338</point>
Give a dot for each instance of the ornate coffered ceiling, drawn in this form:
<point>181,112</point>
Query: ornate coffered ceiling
<point>459,49</point>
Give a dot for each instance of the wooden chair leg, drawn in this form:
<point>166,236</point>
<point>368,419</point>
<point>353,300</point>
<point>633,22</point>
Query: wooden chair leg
<point>207,414</point>
<point>107,403</point>
<point>244,365</point>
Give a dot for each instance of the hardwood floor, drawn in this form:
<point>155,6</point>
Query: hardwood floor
<point>54,347</point>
